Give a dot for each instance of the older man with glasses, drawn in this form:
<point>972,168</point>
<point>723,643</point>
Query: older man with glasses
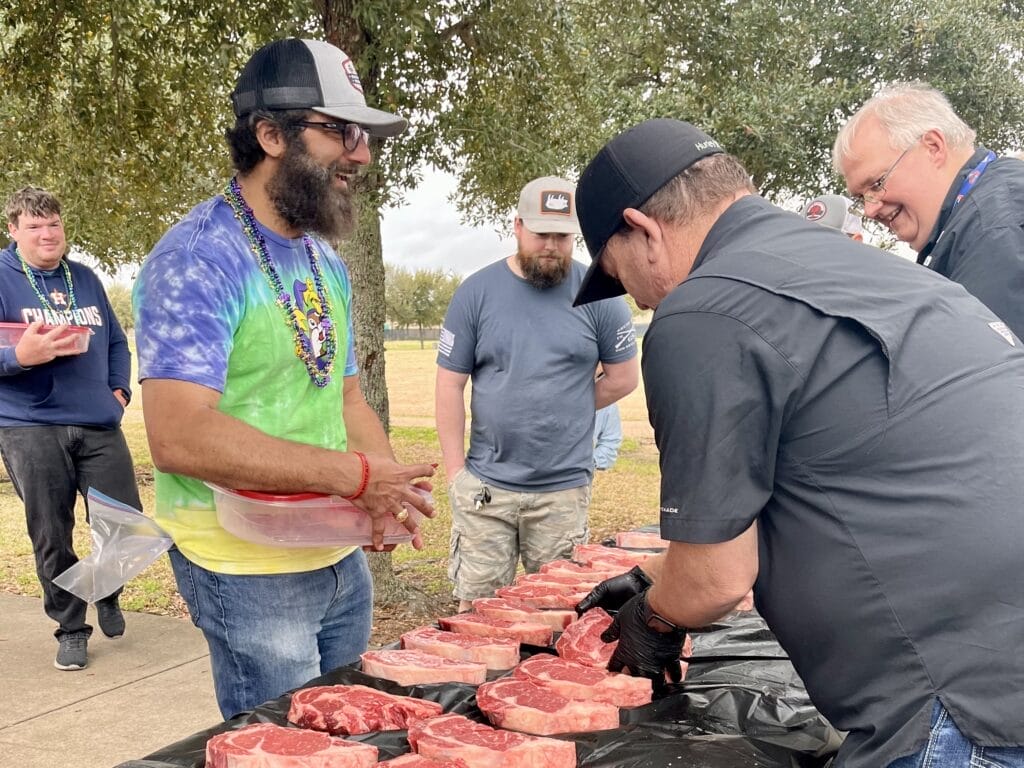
<point>910,162</point>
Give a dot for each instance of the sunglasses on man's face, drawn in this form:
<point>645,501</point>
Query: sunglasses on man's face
<point>349,133</point>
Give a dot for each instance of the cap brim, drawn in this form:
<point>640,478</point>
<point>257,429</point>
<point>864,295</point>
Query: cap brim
<point>549,225</point>
<point>597,285</point>
<point>377,122</point>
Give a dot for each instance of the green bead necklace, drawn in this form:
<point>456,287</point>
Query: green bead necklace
<point>31,275</point>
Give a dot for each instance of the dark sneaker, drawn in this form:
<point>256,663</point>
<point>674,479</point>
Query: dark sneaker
<point>71,654</point>
<point>111,620</point>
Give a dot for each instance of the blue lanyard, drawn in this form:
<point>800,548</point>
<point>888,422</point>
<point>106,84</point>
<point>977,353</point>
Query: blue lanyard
<point>972,178</point>
<point>969,182</point>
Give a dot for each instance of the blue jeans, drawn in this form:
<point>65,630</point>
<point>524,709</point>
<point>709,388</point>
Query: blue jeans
<point>948,748</point>
<point>49,465</point>
<point>269,634</point>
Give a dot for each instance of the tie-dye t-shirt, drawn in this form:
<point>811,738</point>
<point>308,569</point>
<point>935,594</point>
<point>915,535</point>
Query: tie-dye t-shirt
<point>205,313</point>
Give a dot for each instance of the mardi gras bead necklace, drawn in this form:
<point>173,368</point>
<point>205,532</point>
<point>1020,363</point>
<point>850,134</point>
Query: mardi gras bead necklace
<point>31,275</point>
<point>319,367</point>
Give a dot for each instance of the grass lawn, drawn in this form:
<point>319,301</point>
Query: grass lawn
<point>624,497</point>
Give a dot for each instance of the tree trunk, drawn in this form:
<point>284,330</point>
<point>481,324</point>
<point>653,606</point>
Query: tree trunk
<point>363,254</point>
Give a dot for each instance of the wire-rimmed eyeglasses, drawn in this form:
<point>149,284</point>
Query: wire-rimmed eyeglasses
<point>875,192</point>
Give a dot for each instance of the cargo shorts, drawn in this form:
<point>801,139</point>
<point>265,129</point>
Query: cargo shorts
<point>490,537</point>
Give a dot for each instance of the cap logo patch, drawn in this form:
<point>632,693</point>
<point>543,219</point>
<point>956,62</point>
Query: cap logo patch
<point>709,144</point>
<point>353,76</point>
<point>1004,331</point>
<point>558,202</point>
<point>815,211</point>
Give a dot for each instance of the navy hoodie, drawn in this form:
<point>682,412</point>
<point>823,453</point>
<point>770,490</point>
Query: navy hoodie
<point>74,390</point>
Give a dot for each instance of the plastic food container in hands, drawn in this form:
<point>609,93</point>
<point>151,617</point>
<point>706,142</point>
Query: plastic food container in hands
<point>11,333</point>
<point>303,519</point>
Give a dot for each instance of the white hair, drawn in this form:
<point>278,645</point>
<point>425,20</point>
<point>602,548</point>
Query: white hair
<point>906,111</point>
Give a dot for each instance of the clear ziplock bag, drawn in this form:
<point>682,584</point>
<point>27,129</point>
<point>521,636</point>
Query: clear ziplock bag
<point>124,543</point>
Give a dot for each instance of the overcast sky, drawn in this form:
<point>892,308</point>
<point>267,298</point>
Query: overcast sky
<point>425,233</point>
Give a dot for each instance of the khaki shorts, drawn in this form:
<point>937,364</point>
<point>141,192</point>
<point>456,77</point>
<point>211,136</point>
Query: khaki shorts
<point>488,542</point>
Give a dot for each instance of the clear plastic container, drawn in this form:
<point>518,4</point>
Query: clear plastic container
<point>301,519</point>
<point>11,333</point>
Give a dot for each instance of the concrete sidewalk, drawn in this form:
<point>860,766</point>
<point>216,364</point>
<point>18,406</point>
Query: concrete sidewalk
<point>140,692</point>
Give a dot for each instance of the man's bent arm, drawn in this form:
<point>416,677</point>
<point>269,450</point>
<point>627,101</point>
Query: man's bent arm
<point>618,381</point>
<point>696,584</point>
<point>450,414</point>
<point>188,435</point>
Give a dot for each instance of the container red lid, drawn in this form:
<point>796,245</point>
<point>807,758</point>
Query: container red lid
<point>45,328</point>
<point>261,496</point>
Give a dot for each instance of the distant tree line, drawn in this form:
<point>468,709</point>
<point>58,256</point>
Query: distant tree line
<point>418,299</point>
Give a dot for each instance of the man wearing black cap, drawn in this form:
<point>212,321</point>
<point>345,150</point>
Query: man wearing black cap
<point>839,427</point>
<point>249,378</point>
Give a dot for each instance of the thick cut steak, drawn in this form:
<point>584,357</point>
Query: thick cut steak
<point>494,652</point>
<point>352,709</point>
<point>412,760</point>
<point>581,642</point>
<point>454,737</point>
<point>640,540</point>
<point>522,705</point>
<point>544,595</point>
<point>577,582</point>
<point>600,557</point>
<point>578,681</point>
<point>262,744</point>
<point>421,668</point>
<point>517,610</point>
<point>487,626</point>
<point>569,568</point>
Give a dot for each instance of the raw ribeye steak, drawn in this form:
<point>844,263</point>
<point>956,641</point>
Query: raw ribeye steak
<point>530,632</point>
<point>569,568</point>
<point>599,556</point>
<point>412,760</point>
<point>517,610</point>
<point>264,744</point>
<point>576,582</point>
<point>543,595</point>
<point>522,705</point>
<point>345,710</point>
<point>454,737</point>
<point>421,668</point>
<point>640,540</point>
<point>581,642</point>
<point>578,681</point>
<point>494,652</point>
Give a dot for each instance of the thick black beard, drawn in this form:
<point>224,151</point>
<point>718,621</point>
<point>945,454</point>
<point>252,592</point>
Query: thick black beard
<point>537,276</point>
<point>304,195</point>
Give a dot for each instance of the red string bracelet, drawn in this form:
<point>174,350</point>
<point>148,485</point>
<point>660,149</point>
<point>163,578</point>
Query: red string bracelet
<point>365,480</point>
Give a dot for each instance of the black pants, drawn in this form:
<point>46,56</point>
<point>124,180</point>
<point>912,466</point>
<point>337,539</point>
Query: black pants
<point>48,466</point>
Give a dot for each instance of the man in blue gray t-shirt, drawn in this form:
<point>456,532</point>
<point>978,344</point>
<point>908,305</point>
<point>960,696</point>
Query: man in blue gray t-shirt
<point>523,489</point>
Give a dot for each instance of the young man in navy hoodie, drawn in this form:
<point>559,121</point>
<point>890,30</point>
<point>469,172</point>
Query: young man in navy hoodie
<point>60,409</point>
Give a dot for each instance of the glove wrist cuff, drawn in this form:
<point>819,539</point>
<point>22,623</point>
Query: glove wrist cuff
<point>638,573</point>
<point>655,621</point>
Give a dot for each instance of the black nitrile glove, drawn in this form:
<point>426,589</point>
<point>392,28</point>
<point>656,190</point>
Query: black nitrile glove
<point>611,594</point>
<point>642,649</point>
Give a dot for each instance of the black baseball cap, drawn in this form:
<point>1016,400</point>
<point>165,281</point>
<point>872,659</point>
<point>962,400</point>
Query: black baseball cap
<point>626,173</point>
<point>309,74</point>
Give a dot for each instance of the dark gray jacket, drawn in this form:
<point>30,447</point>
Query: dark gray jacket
<point>980,243</point>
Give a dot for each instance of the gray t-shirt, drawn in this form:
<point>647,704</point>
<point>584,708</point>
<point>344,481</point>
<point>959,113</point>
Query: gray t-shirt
<point>532,357</point>
<point>869,415</point>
